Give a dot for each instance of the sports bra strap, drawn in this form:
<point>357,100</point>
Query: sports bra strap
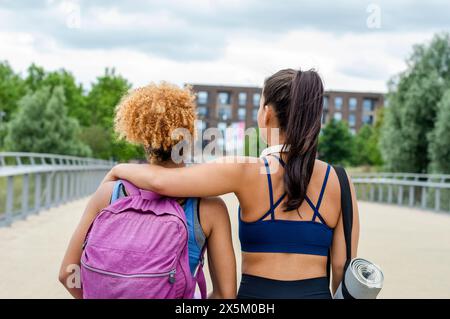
<point>269,181</point>
<point>319,201</point>
<point>278,202</point>
<point>322,191</point>
<point>316,212</point>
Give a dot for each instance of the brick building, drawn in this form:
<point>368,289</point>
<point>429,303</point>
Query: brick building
<point>224,106</point>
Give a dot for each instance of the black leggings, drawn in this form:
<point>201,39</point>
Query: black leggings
<point>254,287</point>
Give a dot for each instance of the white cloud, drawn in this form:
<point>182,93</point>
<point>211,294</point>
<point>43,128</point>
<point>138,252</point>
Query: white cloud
<point>217,42</point>
<point>346,62</point>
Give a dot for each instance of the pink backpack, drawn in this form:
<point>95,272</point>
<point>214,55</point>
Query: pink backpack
<point>137,247</point>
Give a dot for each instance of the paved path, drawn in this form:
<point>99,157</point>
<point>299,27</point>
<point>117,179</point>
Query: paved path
<point>412,247</point>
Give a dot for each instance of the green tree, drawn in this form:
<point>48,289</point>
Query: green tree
<point>102,99</point>
<point>35,77</point>
<point>366,150</point>
<point>12,88</point>
<point>99,140</point>
<point>42,125</point>
<point>75,100</point>
<point>413,98</point>
<point>336,143</point>
<point>439,149</point>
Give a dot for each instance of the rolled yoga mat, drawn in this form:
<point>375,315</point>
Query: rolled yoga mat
<point>362,280</point>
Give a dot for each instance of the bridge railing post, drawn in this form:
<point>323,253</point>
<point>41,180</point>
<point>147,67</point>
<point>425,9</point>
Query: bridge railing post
<point>400,195</point>
<point>37,192</point>
<point>25,192</point>
<point>424,197</point>
<point>427,191</point>
<point>437,200</point>
<point>9,200</point>
<point>45,181</point>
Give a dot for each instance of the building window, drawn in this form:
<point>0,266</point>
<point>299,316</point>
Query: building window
<point>337,116</point>
<point>352,131</point>
<point>367,119</point>
<point>222,129</point>
<point>256,98</point>
<point>242,99</point>
<point>242,113</point>
<point>325,102</point>
<point>224,105</point>
<point>202,97</point>
<point>202,111</point>
<point>352,103</point>
<point>338,103</point>
<point>224,98</point>
<point>224,112</point>
<point>351,120</point>
<point>255,115</point>
<point>368,105</point>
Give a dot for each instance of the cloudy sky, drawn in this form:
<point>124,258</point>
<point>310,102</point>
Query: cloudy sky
<point>355,45</point>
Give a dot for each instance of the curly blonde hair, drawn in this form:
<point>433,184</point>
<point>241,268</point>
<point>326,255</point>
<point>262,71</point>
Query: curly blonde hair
<point>148,116</point>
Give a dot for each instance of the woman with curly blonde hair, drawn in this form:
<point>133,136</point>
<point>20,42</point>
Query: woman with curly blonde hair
<point>148,116</point>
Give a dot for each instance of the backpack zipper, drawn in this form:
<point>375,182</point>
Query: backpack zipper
<point>170,274</point>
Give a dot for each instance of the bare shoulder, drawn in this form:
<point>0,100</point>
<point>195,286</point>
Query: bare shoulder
<point>333,189</point>
<point>213,212</point>
<point>102,196</point>
<point>213,206</point>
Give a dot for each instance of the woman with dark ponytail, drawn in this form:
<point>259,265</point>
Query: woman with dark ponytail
<point>290,222</point>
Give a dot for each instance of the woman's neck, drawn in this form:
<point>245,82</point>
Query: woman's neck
<point>276,140</point>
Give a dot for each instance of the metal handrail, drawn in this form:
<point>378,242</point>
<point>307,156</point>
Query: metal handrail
<point>48,159</point>
<point>415,176</point>
<point>428,191</point>
<point>390,181</point>
<point>51,181</point>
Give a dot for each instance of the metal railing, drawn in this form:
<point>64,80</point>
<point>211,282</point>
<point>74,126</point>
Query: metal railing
<point>444,178</point>
<point>30,182</point>
<point>425,191</point>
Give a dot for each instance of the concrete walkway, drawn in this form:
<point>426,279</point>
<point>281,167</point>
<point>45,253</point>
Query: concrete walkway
<point>411,246</point>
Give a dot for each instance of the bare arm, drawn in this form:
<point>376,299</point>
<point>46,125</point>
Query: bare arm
<point>70,265</point>
<point>210,179</point>
<point>338,250</point>
<point>221,259</point>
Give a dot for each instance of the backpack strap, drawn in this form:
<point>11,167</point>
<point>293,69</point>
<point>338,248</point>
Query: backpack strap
<point>200,276</point>
<point>133,191</point>
<point>116,191</point>
<point>347,219</point>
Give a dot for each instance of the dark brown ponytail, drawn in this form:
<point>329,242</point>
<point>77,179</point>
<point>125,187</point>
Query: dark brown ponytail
<point>297,98</point>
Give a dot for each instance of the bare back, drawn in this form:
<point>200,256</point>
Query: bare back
<point>255,200</point>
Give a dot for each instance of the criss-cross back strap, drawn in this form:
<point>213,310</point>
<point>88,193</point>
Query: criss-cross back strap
<point>269,182</point>
<point>322,191</point>
<point>319,201</point>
